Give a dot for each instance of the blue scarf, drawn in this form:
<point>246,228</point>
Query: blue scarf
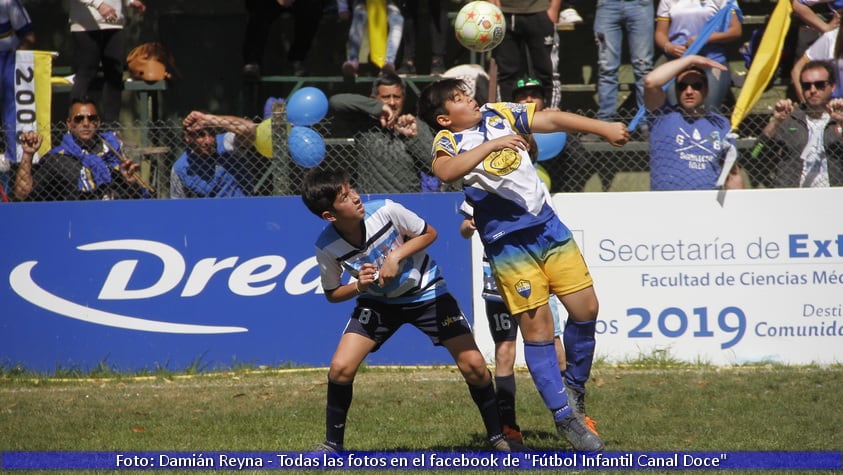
<point>96,166</point>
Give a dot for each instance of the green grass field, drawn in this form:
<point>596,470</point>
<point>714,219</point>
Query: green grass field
<point>421,409</point>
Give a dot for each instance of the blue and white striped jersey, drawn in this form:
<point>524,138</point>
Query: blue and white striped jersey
<point>387,225</point>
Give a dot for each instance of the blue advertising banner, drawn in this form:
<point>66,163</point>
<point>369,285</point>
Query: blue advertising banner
<point>173,284</point>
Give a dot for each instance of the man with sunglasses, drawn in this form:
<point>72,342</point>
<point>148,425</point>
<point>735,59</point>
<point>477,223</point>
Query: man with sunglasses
<point>802,146</point>
<point>687,141</point>
<point>220,160</point>
<point>87,165</point>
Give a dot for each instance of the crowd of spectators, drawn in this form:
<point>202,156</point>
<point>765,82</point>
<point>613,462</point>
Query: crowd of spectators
<point>392,148</point>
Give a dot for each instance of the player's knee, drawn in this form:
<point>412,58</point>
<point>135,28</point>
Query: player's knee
<point>586,312</point>
<point>473,368</point>
<point>340,372</point>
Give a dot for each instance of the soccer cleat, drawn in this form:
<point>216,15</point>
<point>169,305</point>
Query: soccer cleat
<point>328,448</point>
<point>504,444</point>
<point>513,433</point>
<point>580,437</point>
<point>591,424</point>
<point>576,399</point>
<point>569,16</point>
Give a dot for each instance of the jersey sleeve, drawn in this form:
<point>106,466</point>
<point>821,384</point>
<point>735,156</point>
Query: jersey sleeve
<point>444,142</point>
<point>406,221</point>
<point>330,270</point>
<point>519,116</point>
<point>663,10</point>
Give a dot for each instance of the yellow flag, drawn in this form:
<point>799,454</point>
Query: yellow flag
<point>378,30</point>
<point>33,95</point>
<point>764,63</point>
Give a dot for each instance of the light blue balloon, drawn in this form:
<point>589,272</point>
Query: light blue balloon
<point>550,144</point>
<point>307,106</point>
<point>306,146</point>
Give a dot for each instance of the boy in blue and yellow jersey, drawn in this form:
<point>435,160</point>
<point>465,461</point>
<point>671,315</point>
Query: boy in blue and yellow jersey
<point>531,252</point>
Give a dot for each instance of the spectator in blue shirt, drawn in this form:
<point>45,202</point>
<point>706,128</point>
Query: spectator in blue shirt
<point>215,165</point>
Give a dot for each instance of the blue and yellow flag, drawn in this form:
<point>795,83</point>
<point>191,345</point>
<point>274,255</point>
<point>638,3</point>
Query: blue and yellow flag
<point>32,99</point>
<point>765,62</point>
<point>378,30</point>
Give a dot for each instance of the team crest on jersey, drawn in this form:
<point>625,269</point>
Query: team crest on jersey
<point>503,162</point>
<point>523,288</point>
<point>495,122</point>
<point>446,144</point>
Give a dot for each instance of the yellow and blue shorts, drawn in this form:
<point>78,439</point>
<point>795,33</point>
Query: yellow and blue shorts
<point>530,264</point>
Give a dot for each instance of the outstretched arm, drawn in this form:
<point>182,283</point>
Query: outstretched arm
<point>558,121</point>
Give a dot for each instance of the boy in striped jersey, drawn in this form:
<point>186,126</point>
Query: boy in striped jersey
<point>382,245</point>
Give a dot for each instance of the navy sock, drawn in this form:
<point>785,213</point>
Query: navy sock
<point>579,351</point>
<point>544,368</point>
<point>336,412</point>
<point>484,398</point>
<point>505,393</point>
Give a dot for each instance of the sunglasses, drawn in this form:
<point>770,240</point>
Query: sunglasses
<point>820,85</point>
<point>696,85</point>
<point>78,118</point>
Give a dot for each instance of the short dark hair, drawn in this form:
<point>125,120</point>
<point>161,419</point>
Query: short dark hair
<point>817,64</point>
<point>387,79</point>
<point>86,100</point>
<point>320,188</point>
<point>433,97</point>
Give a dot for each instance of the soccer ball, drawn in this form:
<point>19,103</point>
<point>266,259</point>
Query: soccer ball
<point>480,26</point>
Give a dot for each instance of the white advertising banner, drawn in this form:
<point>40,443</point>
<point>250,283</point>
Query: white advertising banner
<point>717,277</point>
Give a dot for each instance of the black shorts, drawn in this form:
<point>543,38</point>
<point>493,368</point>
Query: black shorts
<point>440,319</point>
<point>501,324</point>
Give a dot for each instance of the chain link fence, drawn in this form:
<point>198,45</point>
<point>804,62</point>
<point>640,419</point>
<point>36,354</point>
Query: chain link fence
<point>386,162</point>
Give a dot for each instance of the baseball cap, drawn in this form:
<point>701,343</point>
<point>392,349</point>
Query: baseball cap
<point>527,83</point>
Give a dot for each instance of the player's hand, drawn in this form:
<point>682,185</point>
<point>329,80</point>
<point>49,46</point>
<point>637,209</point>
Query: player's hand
<point>514,142</point>
<point>388,271</point>
<point>367,275</point>
<point>406,125</point>
<point>617,134</point>
<point>30,142</point>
